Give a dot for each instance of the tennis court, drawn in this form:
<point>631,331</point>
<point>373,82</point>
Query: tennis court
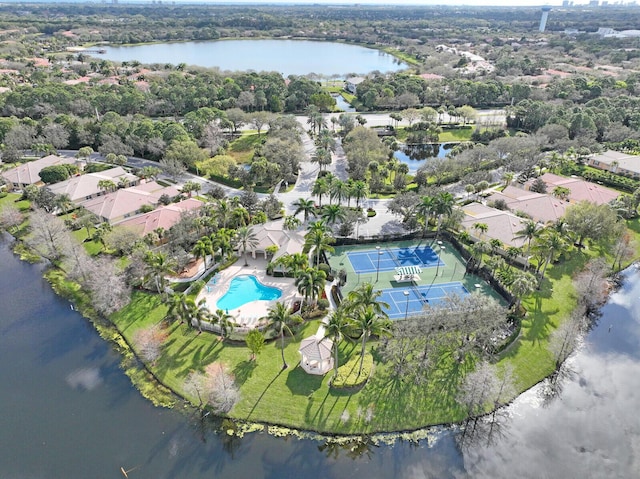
<point>388,259</point>
<point>412,300</point>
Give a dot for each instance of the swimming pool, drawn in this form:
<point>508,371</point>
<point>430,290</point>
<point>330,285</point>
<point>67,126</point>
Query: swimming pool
<point>245,289</point>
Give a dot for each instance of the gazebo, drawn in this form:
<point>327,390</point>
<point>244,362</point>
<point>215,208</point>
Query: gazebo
<point>316,355</point>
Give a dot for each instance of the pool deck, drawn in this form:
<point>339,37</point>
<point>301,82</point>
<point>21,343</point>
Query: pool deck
<point>249,315</point>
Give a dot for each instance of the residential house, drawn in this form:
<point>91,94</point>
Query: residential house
<point>537,206</point>
<point>579,189</point>
<point>501,225</point>
<point>29,173</point>
<point>164,217</point>
<point>272,233</point>
<point>85,187</point>
<point>127,202</point>
<point>351,84</point>
<point>616,162</point>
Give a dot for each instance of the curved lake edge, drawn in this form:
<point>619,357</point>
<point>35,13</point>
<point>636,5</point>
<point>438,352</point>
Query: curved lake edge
<point>404,59</point>
<point>145,380</point>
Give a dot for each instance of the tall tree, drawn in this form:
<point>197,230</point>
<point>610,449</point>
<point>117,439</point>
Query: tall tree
<point>246,238</point>
<point>335,328</point>
<point>280,319</point>
<point>304,206</point>
<point>369,323</point>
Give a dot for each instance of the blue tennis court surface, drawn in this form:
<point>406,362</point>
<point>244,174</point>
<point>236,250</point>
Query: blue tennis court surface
<point>392,258</point>
<point>418,297</point>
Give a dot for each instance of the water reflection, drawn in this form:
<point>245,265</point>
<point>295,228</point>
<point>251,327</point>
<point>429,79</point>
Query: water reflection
<point>415,155</point>
<point>590,429</point>
<point>71,412</point>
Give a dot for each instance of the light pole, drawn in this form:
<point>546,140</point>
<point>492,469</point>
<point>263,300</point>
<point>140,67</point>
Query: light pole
<point>406,306</point>
<point>378,267</point>
<point>438,265</point>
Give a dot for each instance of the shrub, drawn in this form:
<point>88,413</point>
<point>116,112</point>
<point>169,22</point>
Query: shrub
<point>323,304</point>
<point>348,376</point>
<point>54,174</point>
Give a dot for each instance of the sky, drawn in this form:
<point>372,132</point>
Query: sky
<point>503,3</point>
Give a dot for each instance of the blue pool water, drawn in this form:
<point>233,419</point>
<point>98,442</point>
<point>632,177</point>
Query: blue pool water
<point>244,289</point>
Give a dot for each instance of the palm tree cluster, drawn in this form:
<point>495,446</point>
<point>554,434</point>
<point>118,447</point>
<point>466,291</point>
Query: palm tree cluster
<point>360,316</point>
<point>186,310</point>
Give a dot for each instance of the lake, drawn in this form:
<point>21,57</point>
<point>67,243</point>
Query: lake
<point>288,57</point>
<point>415,156</point>
<point>69,411</point>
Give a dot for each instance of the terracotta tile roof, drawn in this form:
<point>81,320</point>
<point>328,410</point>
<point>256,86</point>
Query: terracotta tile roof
<point>540,207</point>
<point>164,217</point>
<point>127,201</point>
<point>29,173</point>
<point>502,225</point>
<point>79,187</point>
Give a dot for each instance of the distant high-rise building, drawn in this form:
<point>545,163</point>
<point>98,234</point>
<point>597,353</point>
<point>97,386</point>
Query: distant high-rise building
<point>565,3</point>
<point>543,18</point>
<point>593,3</point>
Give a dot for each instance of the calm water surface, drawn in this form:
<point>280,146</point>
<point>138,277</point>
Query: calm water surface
<point>70,412</point>
<point>289,57</point>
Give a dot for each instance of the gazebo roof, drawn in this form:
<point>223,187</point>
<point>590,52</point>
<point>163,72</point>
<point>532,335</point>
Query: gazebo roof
<point>316,349</point>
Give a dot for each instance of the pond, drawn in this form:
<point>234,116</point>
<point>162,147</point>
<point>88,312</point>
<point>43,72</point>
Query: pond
<point>416,155</point>
<point>289,57</point>
<point>70,411</point>
<point>343,105</point>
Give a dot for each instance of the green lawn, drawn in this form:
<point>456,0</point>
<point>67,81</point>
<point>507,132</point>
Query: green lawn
<point>92,247</point>
<point>292,397</point>
<point>455,135</point>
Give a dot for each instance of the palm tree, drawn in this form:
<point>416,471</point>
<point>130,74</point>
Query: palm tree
<point>339,190</point>
<point>295,263</point>
<point>335,328</point>
<point>178,307</point>
<point>106,185</point>
<point>320,188</point>
<point>363,297</point>
<point>442,206</point>
<point>310,282</point>
<point>523,283</point>
<point>221,240</point>
<point>291,223</point>
<point>479,249</point>
<point>224,321</point>
<point>333,213</point>
<point>202,249</point>
<point>319,241</point>
<point>322,157</point>
<point>370,323</point>
<point>508,177</point>
<point>63,203</point>
<point>246,238</point>
<point>306,207</point>
<point>101,232</point>
<point>223,212</point>
<point>425,208</point>
<point>531,230</point>
<point>360,191</point>
<point>197,311</point>
<point>551,242</point>
<point>326,140</point>
<point>159,266</point>
<point>482,228</point>
<point>495,244</point>
<point>240,216</point>
<point>280,319</point>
